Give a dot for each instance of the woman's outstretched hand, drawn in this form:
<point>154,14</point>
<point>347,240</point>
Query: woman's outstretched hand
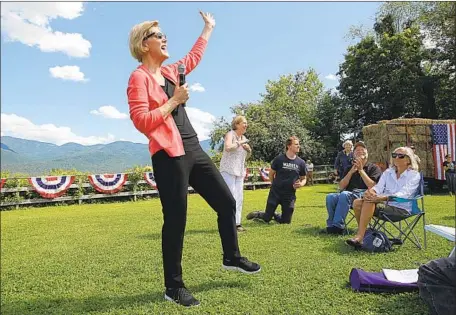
<point>208,19</point>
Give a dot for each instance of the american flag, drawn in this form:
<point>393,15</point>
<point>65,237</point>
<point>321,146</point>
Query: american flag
<point>443,138</point>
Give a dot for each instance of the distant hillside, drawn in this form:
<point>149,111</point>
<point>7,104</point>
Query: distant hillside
<point>38,158</point>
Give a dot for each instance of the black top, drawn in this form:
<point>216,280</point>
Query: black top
<point>188,134</point>
<point>287,173</point>
<point>356,182</point>
<point>343,163</point>
<point>451,166</point>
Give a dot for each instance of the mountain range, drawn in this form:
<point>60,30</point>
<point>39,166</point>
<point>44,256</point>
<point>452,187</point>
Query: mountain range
<point>38,158</point>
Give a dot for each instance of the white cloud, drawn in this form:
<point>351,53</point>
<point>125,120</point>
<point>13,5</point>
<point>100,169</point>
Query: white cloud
<point>331,77</point>
<point>72,73</point>
<point>197,87</point>
<point>28,23</point>
<point>201,122</point>
<point>16,126</point>
<point>110,112</point>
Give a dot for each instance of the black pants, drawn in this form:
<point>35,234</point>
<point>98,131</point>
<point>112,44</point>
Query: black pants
<point>287,203</point>
<point>437,284</point>
<point>451,181</point>
<point>173,176</point>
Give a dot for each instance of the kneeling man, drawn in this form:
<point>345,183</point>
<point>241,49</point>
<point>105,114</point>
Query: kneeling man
<point>288,173</point>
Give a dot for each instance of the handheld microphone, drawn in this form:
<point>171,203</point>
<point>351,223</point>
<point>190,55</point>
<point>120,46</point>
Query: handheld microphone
<point>181,71</point>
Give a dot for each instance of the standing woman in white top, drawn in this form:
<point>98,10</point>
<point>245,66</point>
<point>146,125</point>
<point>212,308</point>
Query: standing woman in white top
<point>232,165</point>
<point>400,180</point>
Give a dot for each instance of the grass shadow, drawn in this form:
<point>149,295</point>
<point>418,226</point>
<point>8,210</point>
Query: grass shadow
<point>211,231</point>
<point>322,207</point>
<point>324,192</point>
<point>337,244</point>
<point>340,247</point>
<point>395,301</point>
<point>101,303</point>
<point>86,305</point>
<point>449,217</point>
<point>310,230</point>
<point>258,223</point>
<point>214,285</point>
<point>157,236</point>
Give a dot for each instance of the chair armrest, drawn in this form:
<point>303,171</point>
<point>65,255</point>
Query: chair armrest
<point>399,199</point>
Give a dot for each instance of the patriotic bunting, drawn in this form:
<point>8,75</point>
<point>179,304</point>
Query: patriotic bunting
<point>108,183</point>
<point>2,182</point>
<point>51,186</point>
<point>150,179</point>
<point>264,173</point>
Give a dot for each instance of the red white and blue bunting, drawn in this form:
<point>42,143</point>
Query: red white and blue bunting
<point>2,182</point>
<point>108,183</point>
<point>51,186</point>
<point>264,173</point>
<point>150,179</point>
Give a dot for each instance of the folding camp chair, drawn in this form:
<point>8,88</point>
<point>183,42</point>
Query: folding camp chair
<point>410,221</point>
<point>351,213</point>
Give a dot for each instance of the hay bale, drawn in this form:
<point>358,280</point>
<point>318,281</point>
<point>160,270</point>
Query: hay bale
<point>414,139</point>
<point>386,135</point>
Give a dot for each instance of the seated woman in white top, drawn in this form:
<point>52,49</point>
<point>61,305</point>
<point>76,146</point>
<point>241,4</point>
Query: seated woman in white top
<point>400,180</point>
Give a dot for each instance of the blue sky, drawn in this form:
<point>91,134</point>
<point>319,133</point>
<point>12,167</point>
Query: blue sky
<point>65,66</point>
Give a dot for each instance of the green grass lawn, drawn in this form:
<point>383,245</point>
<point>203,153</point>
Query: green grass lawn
<point>106,259</point>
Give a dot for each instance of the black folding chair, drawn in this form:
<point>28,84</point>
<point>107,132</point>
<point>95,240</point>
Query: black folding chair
<point>405,232</point>
<point>351,213</point>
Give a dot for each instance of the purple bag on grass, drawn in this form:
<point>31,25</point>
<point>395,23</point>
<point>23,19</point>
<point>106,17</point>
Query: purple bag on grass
<point>364,281</point>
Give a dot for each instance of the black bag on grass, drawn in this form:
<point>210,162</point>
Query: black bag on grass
<point>376,242</point>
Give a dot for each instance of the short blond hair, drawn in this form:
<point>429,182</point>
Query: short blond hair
<point>137,34</point>
<point>413,164</point>
<point>237,120</point>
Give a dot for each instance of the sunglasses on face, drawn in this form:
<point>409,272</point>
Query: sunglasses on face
<point>158,35</point>
<point>398,155</point>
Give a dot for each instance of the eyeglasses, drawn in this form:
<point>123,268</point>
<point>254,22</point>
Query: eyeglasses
<point>158,35</point>
<point>398,155</point>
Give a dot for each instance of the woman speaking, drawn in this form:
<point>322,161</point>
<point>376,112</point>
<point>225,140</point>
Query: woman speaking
<point>157,109</point>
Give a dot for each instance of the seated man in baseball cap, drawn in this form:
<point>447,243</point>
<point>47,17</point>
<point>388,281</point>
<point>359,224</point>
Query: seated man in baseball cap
<point>361,176</point>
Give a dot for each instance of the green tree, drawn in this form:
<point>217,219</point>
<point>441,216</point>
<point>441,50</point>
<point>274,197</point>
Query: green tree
<point>403,14</point>
<point>382,77</point>
<point>287,108</point>
<point>437,22</point>
<point>332,123</point>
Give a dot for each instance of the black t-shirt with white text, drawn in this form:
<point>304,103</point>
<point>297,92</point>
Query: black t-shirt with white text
<point>287,173</point>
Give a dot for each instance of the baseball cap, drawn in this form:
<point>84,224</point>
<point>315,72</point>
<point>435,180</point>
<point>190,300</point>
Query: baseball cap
<point>359,143</point>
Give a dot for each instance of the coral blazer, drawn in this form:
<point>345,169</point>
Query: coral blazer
<point>145,96</point>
